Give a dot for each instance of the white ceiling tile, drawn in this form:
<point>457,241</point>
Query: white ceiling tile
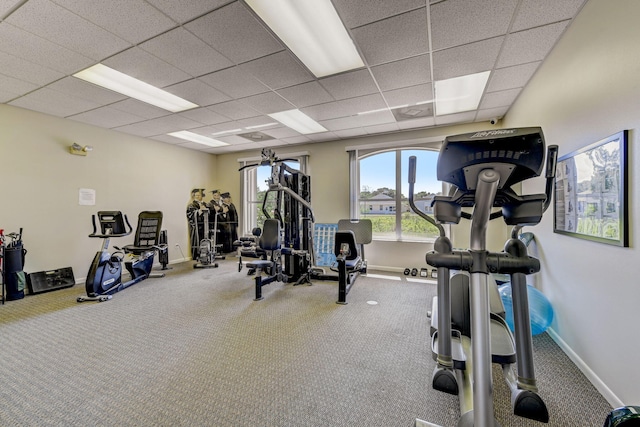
<point>409,95</point>
<point>347,107</point>
<point>268,103</point>
<point>82,89</point>
<point>458,22</point>
<point>204,130</point>
<point>350,84</point>
<point>322,136</point>
<point>278,70</point>
<point>530,45</point>
<point>503,98</point>
<point>350,133</point>
<point>468,59</point>
<point>283,132</point>
<point>106,117</point>
<point>235,82</point>
<point>511,77</point>
<point>398,37</point>
<point>355,13</point>
<point>166,124</point>
<point>185,51</point>
<point>6,6</point>
<point>306,94</point>
<point>226,128</point>
<point>132,20</point>
<point>259,121</point>
<point>53,102</point>
<point>417,123</point>
<point>403,73</point>
<point>139,108</point>
<point>384,128</point>
<point>234,110</point>
<point>534,13</point>
<point>6,96</point>
<point>173,140</point>
<point>197,92</point>
<point>234,139</point>
<point>204,115</point>
<point>30,47</point>
<point>146,67</point>
<point>466,117</point>
<point>218,52</point>
<point>15,86</point>
<point>234,32</point>
<point>358,121</point>
<point>300,139</point>
<point>50,21</point>
<point>186,10</point>
<point>19,68</point>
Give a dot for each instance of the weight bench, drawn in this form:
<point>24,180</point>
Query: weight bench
<point>248,246</point>
<point>350,239</point>
<point>269,242</point>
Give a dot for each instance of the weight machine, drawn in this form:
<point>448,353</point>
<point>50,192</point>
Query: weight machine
<point>287,250</point>
<point>292,209</point>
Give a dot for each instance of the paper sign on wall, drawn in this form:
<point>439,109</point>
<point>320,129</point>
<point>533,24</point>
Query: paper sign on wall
<point>86,197</point>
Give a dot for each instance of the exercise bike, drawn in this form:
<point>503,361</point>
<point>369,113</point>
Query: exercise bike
<point>105,274</point>
<point>468,328</point>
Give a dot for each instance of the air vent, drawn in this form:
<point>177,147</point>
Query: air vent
<point>413,112</point>
<point>256,136</point>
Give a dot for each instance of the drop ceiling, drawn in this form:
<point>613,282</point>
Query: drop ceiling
<point>219,55</point>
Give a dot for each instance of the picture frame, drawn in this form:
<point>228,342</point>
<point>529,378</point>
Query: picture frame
<point>591,184</point>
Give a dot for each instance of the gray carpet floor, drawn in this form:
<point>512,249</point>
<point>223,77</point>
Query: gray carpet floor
<point>194,349</point>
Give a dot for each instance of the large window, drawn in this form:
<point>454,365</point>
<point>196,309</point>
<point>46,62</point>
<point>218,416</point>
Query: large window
<point>254,188</point>
<point>384,193</point>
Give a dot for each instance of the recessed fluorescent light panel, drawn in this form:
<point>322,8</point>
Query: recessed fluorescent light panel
<point>298,121</point>
<point>313,31</point>
<point>200,139</point>
<point>109,78</point>
<point>460,93</point>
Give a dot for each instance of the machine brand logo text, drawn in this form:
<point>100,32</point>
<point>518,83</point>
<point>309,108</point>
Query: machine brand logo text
<point>486,133</point>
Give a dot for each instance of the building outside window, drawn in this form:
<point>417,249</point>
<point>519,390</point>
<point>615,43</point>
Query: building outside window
<point>384,193</point>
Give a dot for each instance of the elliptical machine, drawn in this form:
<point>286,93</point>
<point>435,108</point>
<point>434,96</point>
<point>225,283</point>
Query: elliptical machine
<point>207,251</point>
<point>484,166</point>
<point>105,274</point>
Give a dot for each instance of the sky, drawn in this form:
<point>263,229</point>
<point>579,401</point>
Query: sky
<point>378,171</point>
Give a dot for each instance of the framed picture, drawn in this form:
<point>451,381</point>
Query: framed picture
<point>591,192</point>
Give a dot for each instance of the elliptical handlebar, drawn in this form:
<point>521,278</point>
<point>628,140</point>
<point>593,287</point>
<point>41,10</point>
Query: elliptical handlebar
<point>515,209</point>
<point>550,174</point>
<point>412,181</point>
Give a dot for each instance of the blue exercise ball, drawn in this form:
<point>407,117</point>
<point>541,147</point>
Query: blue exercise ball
<point>540,309</point>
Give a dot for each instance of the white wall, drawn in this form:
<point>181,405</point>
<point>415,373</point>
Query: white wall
<point>588,89</point>
<point>41,179</point>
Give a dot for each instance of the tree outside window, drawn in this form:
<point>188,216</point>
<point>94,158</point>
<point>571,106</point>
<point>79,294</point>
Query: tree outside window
<point>381,175</point>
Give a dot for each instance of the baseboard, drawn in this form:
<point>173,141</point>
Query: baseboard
<point>385,268</point>
<point>605,391</point>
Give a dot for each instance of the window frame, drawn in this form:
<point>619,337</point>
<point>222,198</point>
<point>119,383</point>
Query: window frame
<point>355,156</point>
